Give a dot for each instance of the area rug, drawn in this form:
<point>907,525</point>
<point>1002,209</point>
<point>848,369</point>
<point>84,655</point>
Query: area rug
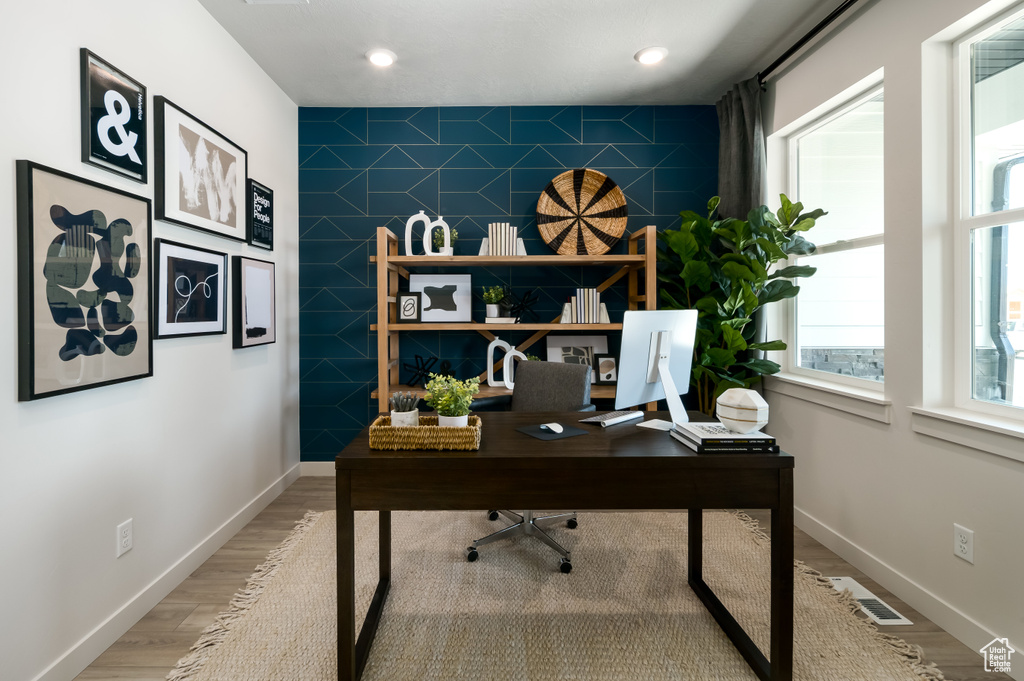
<point>625,613</point>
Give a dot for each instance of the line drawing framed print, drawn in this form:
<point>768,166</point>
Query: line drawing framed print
<point>255,309</point>
<point>84,313</point>
<point>191,286</point>
<point>409,306</point>
<point>200,174</point>
<point>115,119</point>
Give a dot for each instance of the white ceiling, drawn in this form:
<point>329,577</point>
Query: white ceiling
<point>514,52</point>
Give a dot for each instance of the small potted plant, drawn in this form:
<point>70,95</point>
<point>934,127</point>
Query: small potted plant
<point>451,398</point>
<point>493,295</point>
<point>438,238</point>
<point>404,411</point>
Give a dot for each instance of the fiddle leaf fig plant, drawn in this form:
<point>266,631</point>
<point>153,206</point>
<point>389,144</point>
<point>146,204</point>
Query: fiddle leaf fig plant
<point>723,268</point>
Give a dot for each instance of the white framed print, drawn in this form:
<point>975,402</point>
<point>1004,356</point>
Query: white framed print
<point>254,296</point>
<point>443,297</point>
<point>577,350</point>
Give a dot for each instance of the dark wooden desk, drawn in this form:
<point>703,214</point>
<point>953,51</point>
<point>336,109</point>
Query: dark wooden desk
<point>621,467</point>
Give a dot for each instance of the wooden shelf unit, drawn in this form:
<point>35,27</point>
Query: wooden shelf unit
<point>638,268</point>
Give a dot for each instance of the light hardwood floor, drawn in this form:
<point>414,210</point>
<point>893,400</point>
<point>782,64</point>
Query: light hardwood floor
<point>150,649</point>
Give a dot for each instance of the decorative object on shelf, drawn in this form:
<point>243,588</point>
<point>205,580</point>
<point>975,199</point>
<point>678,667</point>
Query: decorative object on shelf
<point>508,371</point>
<point>577,350</point>
<point>606,368</point>
<point>437,236</point>
<point>581,212</point>
<point>420,370</point>
<point>724,273</point>
<point>742,410</point>
<point>191,290</point>
<point>567,316</point>
<point>428,235</point>
<point>451,398</point>
<point>115,117</point>
<point>429,435</point>
<point>409,306</point>
<point>485,247</point>
<point>254,296</point>
<point>445,368</point>
<point>521,307</point>
<point>191,157</point>
<point>502,239</point>
<point>84,295</point>
<point>404,411</point>
<point>446,297</point>
<point>259,222</point>
<point>493,297</point>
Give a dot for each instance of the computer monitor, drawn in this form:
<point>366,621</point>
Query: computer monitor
<point>655,358</point>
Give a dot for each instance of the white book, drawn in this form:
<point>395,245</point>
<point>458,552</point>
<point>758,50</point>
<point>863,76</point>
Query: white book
<point>575,311</point>
<point>490,238</point>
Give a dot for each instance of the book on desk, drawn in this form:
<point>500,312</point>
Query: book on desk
<point>713,437</point>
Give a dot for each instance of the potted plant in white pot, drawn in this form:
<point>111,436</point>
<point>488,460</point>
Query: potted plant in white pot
<point>404,411</point>
<point>451,398</point>
<point>493,295</point>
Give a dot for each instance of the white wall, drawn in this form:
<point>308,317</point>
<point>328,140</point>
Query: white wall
<point>884,495</point>
<point>190,453</point>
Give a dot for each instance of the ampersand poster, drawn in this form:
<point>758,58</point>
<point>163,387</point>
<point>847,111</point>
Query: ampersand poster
<point>114,119</point>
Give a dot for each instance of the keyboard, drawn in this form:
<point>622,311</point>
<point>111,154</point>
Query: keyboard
<point>613,417</point>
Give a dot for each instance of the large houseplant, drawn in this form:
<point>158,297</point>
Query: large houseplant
<point>723,269</point>
<point>451,398</point>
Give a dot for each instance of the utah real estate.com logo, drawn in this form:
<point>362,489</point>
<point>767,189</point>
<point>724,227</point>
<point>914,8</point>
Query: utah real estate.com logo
<point>997,655</point>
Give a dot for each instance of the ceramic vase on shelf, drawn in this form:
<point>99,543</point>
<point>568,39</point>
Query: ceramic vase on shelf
<point>453,421</point>
<point>405,418</point>
<point>493,310</point>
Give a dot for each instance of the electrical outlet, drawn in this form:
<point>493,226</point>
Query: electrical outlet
<point>963,543</point>
<point>124,537</point>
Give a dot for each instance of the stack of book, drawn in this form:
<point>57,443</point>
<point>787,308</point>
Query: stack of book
<point>502,238</point>
<point>585,306</point>
<point>712,437</point>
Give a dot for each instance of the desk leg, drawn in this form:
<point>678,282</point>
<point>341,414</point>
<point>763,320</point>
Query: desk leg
<point>782,581</point>
<point>346,579</point>
<point>695,545</point>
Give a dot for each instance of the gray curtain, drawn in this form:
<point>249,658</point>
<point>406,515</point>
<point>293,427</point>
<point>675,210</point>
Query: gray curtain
<point>741,150</point>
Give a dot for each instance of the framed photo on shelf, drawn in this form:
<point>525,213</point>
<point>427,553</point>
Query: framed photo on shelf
<point>115,118</point>
<point>445,297</point>
<point>409,306</point>
<point>84,317</point>
<point>255,310</point>
<point>259,226</point>
<point>191,290</point>
<point>577,350</point>
<point>200,174</point>
<point>606,368</point>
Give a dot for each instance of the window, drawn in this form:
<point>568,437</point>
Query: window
<point>989,218</point>
<point>837,321</point>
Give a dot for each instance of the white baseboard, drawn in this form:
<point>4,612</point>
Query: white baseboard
<point>321,468</point>
<point>82,654</point>
<point>959,625</point>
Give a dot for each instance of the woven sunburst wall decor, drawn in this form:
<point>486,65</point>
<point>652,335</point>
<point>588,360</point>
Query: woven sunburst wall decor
<point>582,212</point>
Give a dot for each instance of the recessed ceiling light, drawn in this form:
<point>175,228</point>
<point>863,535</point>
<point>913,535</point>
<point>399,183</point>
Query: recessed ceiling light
<point>650,55</point>
<point>381,57</point>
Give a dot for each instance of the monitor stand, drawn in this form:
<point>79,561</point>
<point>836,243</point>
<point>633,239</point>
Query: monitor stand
<point>661,348</point>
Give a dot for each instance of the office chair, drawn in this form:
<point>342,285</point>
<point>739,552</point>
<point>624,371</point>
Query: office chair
<point>540,387</point>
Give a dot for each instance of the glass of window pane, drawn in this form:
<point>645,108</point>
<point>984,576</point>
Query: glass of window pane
<point>997,335</point>
<point>840,314</point>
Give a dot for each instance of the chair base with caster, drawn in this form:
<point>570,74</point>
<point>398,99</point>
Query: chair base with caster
<point>527,524</point>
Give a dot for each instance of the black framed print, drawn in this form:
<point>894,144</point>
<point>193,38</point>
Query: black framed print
<point>84,316</point>
<point>409,306</point>
<point>259,229</point>
<point>445,297</point>
<point>200,174</point>
<point>115,117</point>
<point>255,310</point>
<point>606,368</point>
<point>191,285</point>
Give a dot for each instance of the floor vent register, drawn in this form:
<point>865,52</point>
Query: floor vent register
<point>873,606</point>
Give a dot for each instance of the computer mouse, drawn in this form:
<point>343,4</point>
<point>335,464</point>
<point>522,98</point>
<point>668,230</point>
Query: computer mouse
<point>553,427</point>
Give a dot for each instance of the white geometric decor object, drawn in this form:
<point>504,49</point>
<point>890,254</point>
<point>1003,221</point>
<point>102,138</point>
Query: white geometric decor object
<point>428,231</point>
<point>742,410</point>
<point>508,371</point>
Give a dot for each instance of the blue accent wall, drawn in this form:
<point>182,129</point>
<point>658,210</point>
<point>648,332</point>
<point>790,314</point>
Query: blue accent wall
<point>363,168</point>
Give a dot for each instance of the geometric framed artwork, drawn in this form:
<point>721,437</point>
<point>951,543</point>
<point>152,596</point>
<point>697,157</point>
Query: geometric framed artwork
<point>260,216</point>
<point>84,261</point>
<point>200,174</point>
<point>606,369</point>
<point>408,306</point>
<point>445,297</point>
<point>577,350</point>
<point>255,311</point>
<point>191,285</point>
<point>115,118</point>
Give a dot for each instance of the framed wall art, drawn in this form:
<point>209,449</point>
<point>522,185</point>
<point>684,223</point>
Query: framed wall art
<point>606,369</point>
<point>259,226</point>
<point>409,306</point>
<point>200,174</point>
<point>84,316</point>
<point>577,350</point>
<point>255,310</point>
<point>191,285</point>
<point>445,297</point>
<point>115,118</point>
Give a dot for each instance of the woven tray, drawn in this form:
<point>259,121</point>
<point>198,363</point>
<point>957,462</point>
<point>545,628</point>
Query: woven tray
<point>582,212</point>
<point>428,435</point>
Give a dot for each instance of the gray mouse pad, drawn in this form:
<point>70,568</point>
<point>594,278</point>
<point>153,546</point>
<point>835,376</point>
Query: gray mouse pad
<point>535,431</point>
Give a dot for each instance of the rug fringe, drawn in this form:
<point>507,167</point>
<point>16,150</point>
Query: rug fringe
<point>908,653</point>
<point>241,603</point>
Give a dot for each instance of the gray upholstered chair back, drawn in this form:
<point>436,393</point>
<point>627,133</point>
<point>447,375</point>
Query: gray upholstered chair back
<point>550,386</point>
